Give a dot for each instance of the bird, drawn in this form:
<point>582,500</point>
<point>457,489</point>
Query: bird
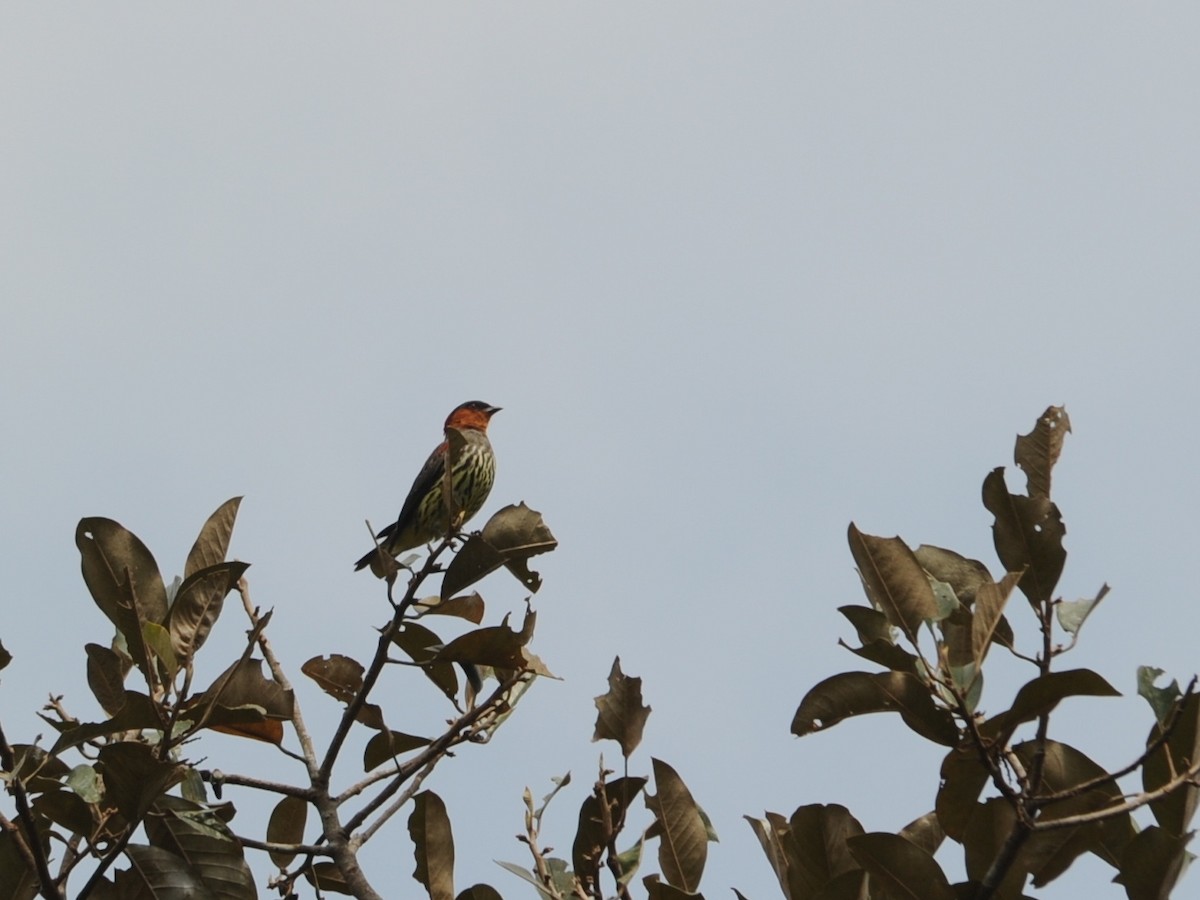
<point>425,515</point>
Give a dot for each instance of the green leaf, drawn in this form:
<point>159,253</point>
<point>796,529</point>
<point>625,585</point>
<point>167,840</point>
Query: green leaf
<point>1037,452</point>
<point>1161,700</point>
<point>900,867</point>
<point>286,826</point>
<point>1028,533</point>
<point>858,693</point>
<point>510,538</point>
<point>158,641</point>
<point>894,581</point>
<point>683,839</point>
<point>1073,613</point>
<point>621,714</point>
<point>433,845</point>
<point>85,782</point>
<point>212,544</point>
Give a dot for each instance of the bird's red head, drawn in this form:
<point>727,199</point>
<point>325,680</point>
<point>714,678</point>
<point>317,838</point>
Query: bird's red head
<point>472,414</point>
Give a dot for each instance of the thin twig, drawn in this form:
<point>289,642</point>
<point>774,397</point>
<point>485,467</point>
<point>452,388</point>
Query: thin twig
<point>1163,736</point>
<point>217,777</point>
<point>275,847</point>
<point>396,805</point>
<point>307,748</point>
<point>41,865</point>
<point>1190,777</point>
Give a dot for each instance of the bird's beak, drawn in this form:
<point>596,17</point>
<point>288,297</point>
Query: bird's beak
<point>492,410</point>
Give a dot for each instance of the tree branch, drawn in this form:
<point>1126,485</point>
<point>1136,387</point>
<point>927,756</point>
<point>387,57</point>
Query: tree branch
<point>37,855</point>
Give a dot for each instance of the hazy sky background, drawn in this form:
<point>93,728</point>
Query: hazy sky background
<point>737,274</point>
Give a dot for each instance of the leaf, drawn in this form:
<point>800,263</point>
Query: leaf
<point>158,641</point>
<point>990,826</point>
<point>1043,694</point>
<point>1037,452</point>
<point>990,600</point>
<point>878,645</point>
<point>85,782</point>
<point>814,847</point>
<point>1028,533</point>
<point>135,714</point>
<point>433,845</point>
<point>894,581</point>
<point>591,835</point>
<point>239,700</point>
<point>159,874</point>
<point>926,832</point>
<point>621,714</point>
<point>1152,864</point>
<point>197,834</point>
<point>963,777</point>
<point>900,867</point>
<point>198,603</point>
<point>212,544</point>
<point>387,745</point>
<point>479,892</point>
<point>659,890</point>
<point>962,574</point>
<point>327,877</point>
<point>858,693</point>
<point>66,810</point>
<point>106,677</point>
<point>1047,854</point>
<point>1174,812</point>
<point>422,645</point>
<point>497,646</point>
<point>339,676</point>
<point>683,840</point>
<point>1161,700</point>
<point>467,606</point>
<point>527,875</point>
<point>510,538</point>
<point>1073,613</point>
<point>286,826</point>
<point>133,778</point>
<point>123,579</point>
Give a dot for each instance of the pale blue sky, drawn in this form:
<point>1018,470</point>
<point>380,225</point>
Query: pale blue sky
<point>737,275</point>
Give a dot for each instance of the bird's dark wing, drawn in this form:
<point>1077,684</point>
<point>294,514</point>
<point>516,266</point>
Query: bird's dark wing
<point>429,476</point>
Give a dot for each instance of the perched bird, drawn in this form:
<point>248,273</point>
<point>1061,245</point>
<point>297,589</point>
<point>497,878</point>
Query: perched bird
<point>425,515</point>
